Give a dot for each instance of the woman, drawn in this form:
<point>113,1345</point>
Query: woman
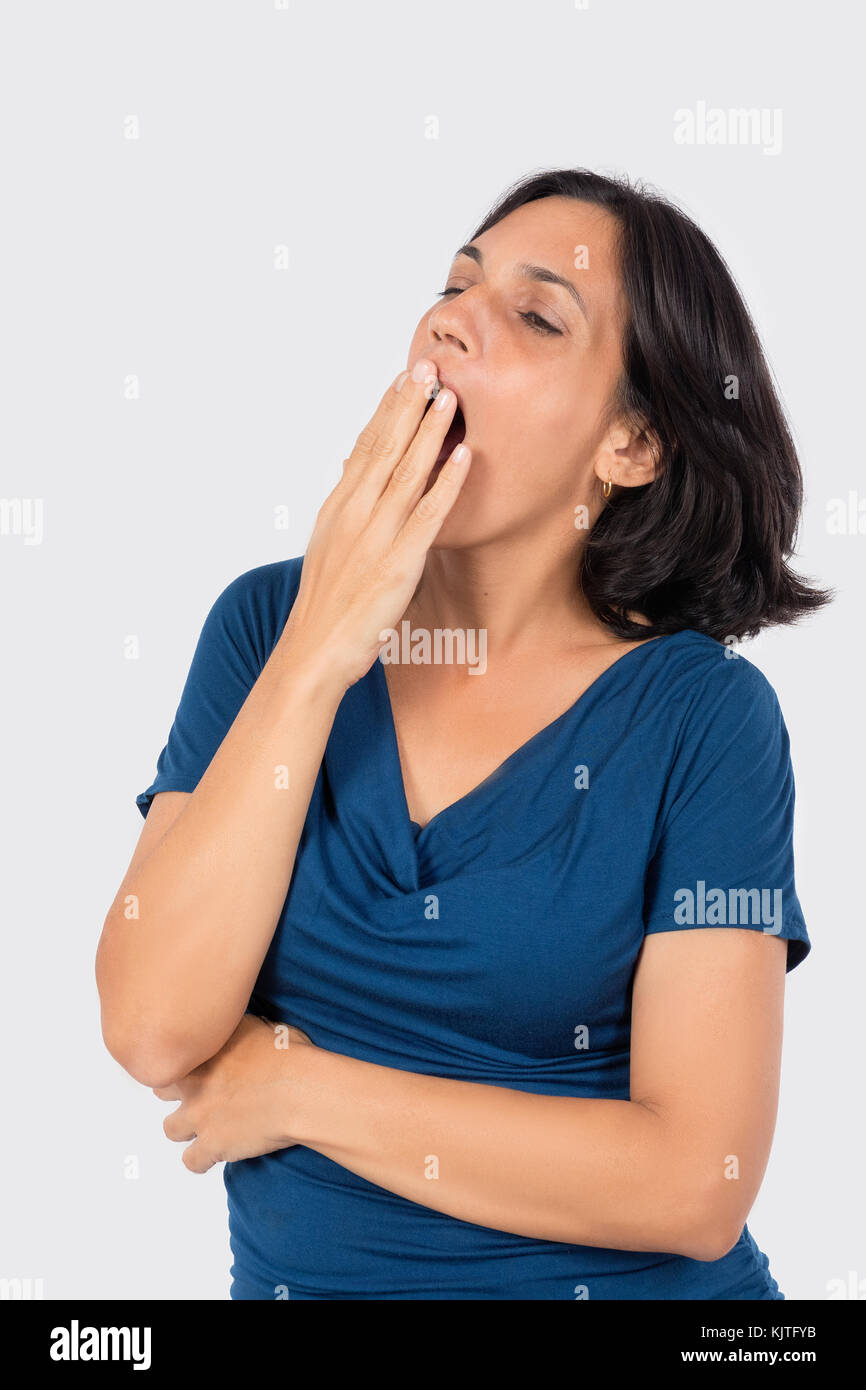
<point>477,984</point>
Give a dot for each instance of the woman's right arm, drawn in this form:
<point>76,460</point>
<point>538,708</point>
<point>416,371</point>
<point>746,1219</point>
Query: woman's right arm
<point>186,935</point>
<point>204,896</point>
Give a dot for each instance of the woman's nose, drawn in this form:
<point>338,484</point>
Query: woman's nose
<point>449,325</point>
<point>448,337</point>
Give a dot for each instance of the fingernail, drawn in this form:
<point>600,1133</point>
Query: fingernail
<point>444,399</point>
<point>422,370</point>
<point>461,453</point>
<point>398,384</point>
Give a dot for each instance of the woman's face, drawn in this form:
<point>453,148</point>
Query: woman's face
<point>533,368</point>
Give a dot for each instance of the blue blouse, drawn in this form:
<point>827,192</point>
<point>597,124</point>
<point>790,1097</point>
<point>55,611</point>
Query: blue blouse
<point>498,943</point>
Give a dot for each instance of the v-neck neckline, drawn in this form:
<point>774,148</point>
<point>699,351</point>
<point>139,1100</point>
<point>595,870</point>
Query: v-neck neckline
<point>523,750</point>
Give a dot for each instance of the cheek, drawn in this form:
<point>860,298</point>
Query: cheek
<point>570,413</point>
<point>549,423</point>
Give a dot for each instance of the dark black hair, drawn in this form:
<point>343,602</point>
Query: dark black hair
<point>705,544</point>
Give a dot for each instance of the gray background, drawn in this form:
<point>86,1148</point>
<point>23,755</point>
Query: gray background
<point>306,127</point>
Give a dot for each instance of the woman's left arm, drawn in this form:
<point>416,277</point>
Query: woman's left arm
<point>675,1168</point>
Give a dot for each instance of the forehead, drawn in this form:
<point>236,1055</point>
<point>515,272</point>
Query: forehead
<point>576,239</point>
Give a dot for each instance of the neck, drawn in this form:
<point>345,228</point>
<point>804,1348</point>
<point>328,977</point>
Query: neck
<point>523,593</point>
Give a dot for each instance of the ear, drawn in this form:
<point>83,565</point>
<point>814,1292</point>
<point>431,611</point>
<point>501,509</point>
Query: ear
<point>628,457</point>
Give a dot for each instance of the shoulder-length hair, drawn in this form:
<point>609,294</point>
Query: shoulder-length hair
<point>705,544</point>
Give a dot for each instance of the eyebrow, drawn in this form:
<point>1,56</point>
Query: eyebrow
<point>532,272</point>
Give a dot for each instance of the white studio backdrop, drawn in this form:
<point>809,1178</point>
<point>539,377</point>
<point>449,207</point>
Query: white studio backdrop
<point>222,222</point>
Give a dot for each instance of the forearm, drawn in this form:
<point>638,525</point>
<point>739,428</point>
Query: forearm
<point>176,975</point>
<point>608,1173</point>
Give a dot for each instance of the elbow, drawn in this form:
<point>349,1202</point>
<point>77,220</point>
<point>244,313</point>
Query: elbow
<point>147,1063</point>
<point>709,1243</point>
<point>143,1049</point>
<point>711,1232</point>
<point>151,1053</point>
<point>698,1212</point>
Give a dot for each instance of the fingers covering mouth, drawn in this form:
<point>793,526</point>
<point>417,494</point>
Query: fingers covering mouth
<point>456,434</point>
<point>457,428</point>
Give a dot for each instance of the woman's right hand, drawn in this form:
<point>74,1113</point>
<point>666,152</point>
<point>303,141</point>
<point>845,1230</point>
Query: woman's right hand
<point>367,551</point>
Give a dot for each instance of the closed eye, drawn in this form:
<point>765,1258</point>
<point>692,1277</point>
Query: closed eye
<point>534,321</point>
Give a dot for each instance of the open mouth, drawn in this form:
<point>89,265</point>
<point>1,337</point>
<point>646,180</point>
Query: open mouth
<point>456,433</point>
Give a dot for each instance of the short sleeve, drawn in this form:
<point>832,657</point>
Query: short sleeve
<point>723,851</point>
<point>237,637</point>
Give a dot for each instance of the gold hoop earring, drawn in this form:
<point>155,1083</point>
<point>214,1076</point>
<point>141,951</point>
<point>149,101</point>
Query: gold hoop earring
<point>606,487</point>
